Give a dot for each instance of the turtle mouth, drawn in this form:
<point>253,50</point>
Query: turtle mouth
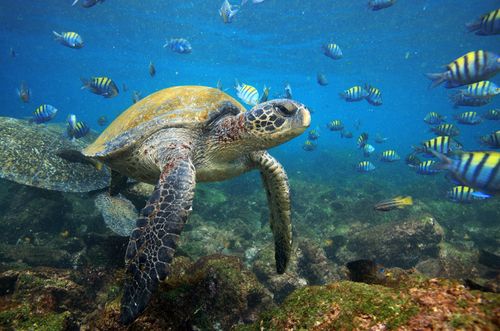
<point>306,117</point>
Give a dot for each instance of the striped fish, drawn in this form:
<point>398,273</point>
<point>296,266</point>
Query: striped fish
<point>76,129</point>
<point>362,139</point>
<point>69,39</point>
<point>374,96</point>
<point>492,139</point>
<point>44,113</point>
<point>427,167</point>
<point>461,99</point>
<point>389,156</point>
<point>465,194</point>
<point>332,51</point>
<point>247,93</point>
<point>309,146</point>
<point>468,117</point>
<point>492,114</point>
<point>483,88</point>
<point>227,11</point>
<point>365,166</point>
<point>380,4</point>
<point>441,144</point>
<point>101,85</point>
<point>446,130</point>
<point>477,169</point>
<point>355,93</point>
<point>394,203</point>
<point>313,134</point>
<point>473,67</point>
<point>488,24</point>
<point>434,118</point>
<point>335,125</point>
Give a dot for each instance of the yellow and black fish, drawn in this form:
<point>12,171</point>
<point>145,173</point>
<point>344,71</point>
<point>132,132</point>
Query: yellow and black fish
<point>441,144</point>
<point>333,51</point>
<point>389,156</point>
<point>470,68</point>
<point>461,99</point>
<point>477,169</point>
<point>488,24</point>
<point>492,115</point>
<point>69,39</point>
<point>355,93</point>
<point>468,117</point>
<point>483,88</point>
<point>492,139</point>
<point>265,94</point>
<point>362,139</point>
<point>101,85</point>
<point>335,125</point>
<point>466,194</point>
<point>247,93</point>
<point>374,96</point>
<point>446,129</point>
<point>309,146</point>
<point>394,203</point>
<point>434,118</point>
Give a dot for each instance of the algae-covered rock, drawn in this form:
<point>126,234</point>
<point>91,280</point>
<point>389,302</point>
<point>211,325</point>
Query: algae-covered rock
<point>398,244</point>
<point>214,293</point>
<point>415,303</point>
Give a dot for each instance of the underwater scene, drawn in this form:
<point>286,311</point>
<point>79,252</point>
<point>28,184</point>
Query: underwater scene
<point>250,165</point>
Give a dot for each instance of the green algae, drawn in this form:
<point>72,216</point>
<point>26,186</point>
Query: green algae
<point>338,306</point>
<point>22,318</point>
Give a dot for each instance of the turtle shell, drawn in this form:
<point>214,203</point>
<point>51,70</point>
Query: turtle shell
<point>180,106</point>
<point>28,156</point>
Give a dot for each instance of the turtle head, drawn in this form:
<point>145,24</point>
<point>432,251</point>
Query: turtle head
<point>274,122</point>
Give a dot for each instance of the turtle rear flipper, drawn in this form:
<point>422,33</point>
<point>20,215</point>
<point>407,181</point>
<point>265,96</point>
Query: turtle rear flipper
<point>278,197</point>
<point>153,242</point>
<point>76,156</point>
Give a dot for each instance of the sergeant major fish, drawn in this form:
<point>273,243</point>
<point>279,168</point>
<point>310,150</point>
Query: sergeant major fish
<point>265,94</point>
<point>69,39</point>
<point>427,167</point>
<point>44,113</point>
<point>355,93</point>
<point>441,144</point>
<point>335,125</point>
<point>469,117</point>
<point>464,194</point>
<point>446,130</point>
<point>492,140</point>
<point>247,93</point>
<point>477,169</point>
<point>309,146</point>
<point>374,96</point>
<point>434,118</point>
<point>368,150</point>
<point>333,51</point>
<point>492,115</point>
<point>365,166</point>
<point>100,85</point>
<point>470,68</point>
<point>487,24</point>
<point>461,99</point>
<point>483,88</point>
<point>76,129</point>
<point>288,91</point>
<point>362,139</point>
<point>389,156</point>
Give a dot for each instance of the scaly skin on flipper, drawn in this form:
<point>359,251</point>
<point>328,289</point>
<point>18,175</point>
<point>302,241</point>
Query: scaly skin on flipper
<point>152,244</point>
<point>278,197</point>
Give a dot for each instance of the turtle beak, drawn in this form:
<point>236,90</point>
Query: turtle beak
<point>306,117</point>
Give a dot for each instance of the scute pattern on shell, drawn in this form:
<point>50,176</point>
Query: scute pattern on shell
<point>28,156</point>
<point>180,106</point>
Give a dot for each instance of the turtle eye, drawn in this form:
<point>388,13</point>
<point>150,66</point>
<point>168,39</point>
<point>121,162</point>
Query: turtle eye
<point>286,109</point>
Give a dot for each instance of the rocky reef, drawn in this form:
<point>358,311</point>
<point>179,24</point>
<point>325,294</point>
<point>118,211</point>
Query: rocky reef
<point>435,264</point>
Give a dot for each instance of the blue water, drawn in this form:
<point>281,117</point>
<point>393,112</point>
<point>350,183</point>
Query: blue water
<point>267,44</point>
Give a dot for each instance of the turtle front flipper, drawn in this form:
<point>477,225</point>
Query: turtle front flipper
<point>278,197</point>
<point>153,242</point>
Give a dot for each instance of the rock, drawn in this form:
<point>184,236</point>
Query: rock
<point>35,255</point>
<point>415,303</point>
<point>314,266</point>
<point>8,281</point>
<point>215,293</point>
<point>396,244</point>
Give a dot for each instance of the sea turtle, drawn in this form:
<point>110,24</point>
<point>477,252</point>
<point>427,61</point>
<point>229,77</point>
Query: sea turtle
<point>28,156</point>
<point>182,135</point>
